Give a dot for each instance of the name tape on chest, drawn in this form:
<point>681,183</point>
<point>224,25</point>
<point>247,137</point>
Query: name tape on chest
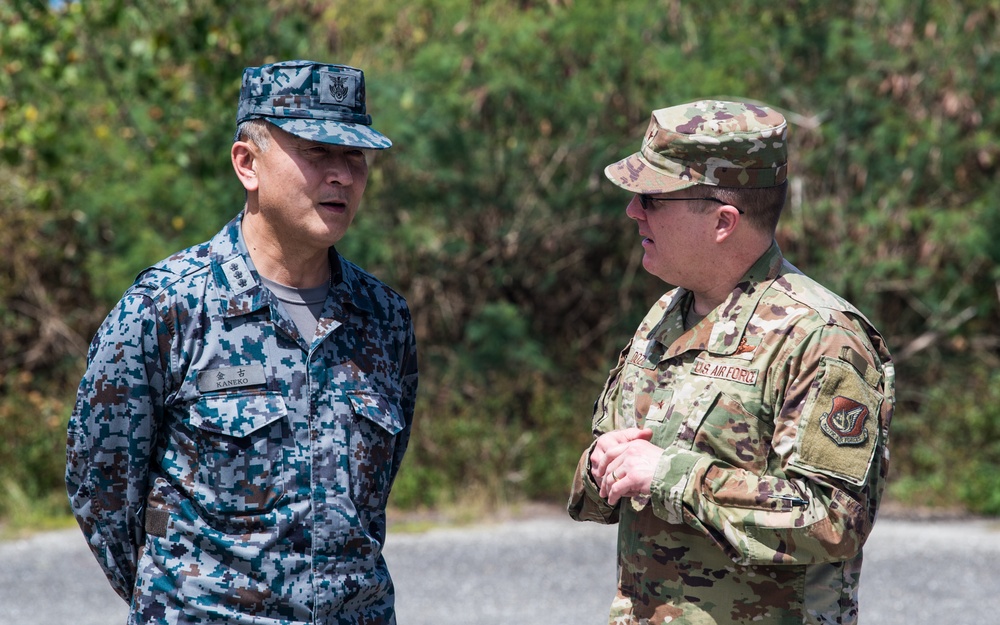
<point>639,355</point>
<point>230,377</point>
<point>725,371</point>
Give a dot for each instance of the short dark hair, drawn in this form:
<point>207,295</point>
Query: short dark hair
<point>761,206</point>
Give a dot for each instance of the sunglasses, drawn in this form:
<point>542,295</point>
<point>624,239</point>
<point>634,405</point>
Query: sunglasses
<point>646,200</point>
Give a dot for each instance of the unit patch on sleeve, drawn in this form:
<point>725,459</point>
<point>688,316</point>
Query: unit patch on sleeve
<point>845,422</point>
<point>839,425</point>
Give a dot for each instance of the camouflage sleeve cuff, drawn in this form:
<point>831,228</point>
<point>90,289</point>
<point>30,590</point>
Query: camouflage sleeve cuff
<point>590,486</point>
<point>585,503</point>
<point>670,482</point>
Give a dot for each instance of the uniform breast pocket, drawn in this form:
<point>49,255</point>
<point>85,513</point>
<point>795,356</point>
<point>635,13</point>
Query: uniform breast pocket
<point>378,421</point>
<point>239,443</point>
<point>715,423</point>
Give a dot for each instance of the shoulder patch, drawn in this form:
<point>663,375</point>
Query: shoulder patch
<point>839,427</point>
<point>845,421</point>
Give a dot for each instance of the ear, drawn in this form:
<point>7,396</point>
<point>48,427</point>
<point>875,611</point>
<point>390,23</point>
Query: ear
<point>244,157</point>
<point>727,217</point>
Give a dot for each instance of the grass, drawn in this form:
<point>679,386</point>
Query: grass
<point>25,516</point>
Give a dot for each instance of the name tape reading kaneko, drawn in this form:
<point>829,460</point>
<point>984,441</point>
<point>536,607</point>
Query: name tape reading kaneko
<point>722,371</point>
<point>230,377</point>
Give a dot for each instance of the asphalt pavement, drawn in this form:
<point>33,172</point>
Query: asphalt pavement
<point>542,570</point>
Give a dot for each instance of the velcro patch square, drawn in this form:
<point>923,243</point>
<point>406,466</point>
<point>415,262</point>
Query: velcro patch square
<point>337,88</point>
<point>839,427</point>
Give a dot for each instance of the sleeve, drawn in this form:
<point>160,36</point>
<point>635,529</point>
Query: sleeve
<point>111,436</point>
<point>824,466</point>
<point>585,502</point>
<point>408,385</point>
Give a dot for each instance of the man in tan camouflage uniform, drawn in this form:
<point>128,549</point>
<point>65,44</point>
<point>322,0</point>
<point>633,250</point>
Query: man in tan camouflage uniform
<point>740,442</point>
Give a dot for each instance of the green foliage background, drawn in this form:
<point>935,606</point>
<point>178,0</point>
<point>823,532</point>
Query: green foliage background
<point>491,213</point>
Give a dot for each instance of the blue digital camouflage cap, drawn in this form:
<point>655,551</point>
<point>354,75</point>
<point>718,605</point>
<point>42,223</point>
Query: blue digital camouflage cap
<point>314,101</point>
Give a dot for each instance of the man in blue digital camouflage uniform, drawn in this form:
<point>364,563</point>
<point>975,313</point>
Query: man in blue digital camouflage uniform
<point>247,403</point>
<point>741,441</point>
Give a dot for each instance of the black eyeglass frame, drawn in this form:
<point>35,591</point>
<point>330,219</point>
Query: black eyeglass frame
<point>643,198</point>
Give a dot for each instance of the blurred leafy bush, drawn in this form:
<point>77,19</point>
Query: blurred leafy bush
<point>491,212</point>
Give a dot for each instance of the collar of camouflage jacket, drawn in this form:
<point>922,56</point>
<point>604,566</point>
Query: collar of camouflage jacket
<point>240,285</point>
<point>722,331</point>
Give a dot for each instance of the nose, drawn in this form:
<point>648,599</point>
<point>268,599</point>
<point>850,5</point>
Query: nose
<point>635,209</point>
<point>338,168</point>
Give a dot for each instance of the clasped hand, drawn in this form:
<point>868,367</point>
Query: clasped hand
<point>623,463</point>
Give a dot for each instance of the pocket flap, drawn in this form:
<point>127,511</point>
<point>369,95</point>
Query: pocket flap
<point>237,415</point>
<point>378,409</point>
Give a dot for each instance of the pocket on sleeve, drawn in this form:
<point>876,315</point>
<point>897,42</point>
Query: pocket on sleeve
<point>839,428</point>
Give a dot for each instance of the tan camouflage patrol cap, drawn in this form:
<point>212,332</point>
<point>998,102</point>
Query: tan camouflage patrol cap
<point>315,101</point>
<point>709,142</point>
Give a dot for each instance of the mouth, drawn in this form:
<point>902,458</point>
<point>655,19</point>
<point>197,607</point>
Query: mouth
<point>338,206</point>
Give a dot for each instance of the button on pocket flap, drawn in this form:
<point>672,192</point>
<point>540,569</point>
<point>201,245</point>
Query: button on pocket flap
<point>237,415</point>
<point>378,409</point>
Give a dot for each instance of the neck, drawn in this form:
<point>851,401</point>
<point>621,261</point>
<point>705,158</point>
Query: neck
<point>707,301</point>
<point>295,267</point>
<point>726,277</point>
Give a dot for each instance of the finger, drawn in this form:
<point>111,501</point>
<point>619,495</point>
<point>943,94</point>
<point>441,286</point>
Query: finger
<point>614,460</point>
<point>599,458</point>
<point>598,464</point>
<point>605,484</point>
<point>610,446</point>
<point>613,456</point>
<point>617,437</point>
<point>613,474</point>
<point>631,434</point>
<point>617,489</point>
